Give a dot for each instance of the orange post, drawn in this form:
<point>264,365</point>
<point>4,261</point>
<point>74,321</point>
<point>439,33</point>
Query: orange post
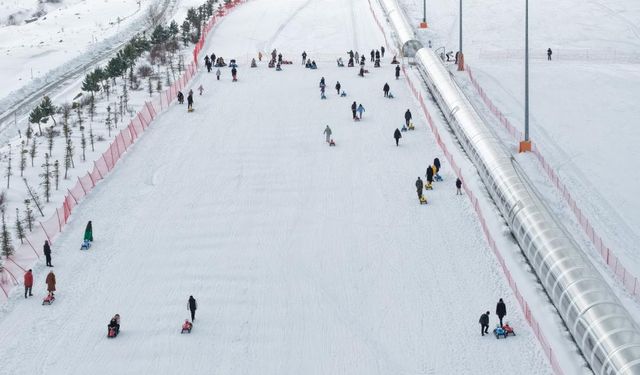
<point>525,146</point>
<point>423,25</point>
<point>461,62</point>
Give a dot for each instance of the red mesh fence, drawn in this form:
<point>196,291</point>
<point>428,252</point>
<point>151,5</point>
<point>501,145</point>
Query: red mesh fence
<point>624,276</point>
<point>533,323</point>
<point>29,252</point>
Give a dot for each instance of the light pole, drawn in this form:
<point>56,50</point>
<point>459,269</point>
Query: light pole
<point>423,24</point>
<point>460,55</point>
<point>525,145</point>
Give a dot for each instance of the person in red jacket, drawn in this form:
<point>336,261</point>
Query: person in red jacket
<point>28,283</point>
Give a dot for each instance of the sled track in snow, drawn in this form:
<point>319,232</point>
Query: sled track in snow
<point>20,109</point>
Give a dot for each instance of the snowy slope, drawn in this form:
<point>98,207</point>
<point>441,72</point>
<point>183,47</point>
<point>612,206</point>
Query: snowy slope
<point>304,259</point>
<point>583,103</point>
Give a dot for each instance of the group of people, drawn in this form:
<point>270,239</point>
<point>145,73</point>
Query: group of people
<point>189,98</point>
<point>501,312</point>
<point>357,58</point>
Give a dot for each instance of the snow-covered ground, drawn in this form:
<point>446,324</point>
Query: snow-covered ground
<point>583,102</point>
<point>304,259</point>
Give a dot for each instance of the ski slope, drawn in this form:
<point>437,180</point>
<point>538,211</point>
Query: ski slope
<point>304,259</point>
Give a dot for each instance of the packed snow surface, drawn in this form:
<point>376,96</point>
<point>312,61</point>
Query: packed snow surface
<point>304,258</point>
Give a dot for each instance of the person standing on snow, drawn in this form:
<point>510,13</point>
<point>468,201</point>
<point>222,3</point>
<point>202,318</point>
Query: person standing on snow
<point>484,323</point>
<point>354,106</point>
<point>373,54</point>
<point>322,84</point>
<point>382,51</point>
<point>436,163</point>
<point>397,135</point>
<point>549,52</point>
<point>377,55</point>
<point>327,133</point>
<point>28,283</point>
<point>304,57</point>
<point>190,100</point>
<point>429,174</point>
<point>46,249</point>
<point>458,186</point>
<point>192,305</point>
<point>234,73</point>
<point>88,232</point>
<point>397,71</point>
<point>386,89</point>
<point>407,117</point>
<point>218,72</point>
<point>51,283</point>
<point>501,310</point>
<point>419,186</point>
<point>201,89</point>
<point>360,110</point>
<point>338,86</point>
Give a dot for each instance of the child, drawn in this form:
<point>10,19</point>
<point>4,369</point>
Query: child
<point>218,74</point>
<point>201,89</point>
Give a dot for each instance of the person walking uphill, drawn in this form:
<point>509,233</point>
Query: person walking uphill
<point>51,283</point>
<point>46,250</point>
<point>419,186</point>
<point>397,135</point>
<point>88,232</point>
<point>458,186</point>
<point>192,305</point>
<point>385,89</point>
<point>360,110</point>
<point>338,86</point>
<point>327,132</point>
<point>397,71</point>
<point>28,283</point>
<point>407,117</point>
<point>354,106</point>
<point>484,323</point>
<point>501,310</point>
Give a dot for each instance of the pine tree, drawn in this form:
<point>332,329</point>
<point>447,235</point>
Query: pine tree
<point>115,116</point>
<point>107,121</point>
<point>8,174</point>
<point>35,117</point>
<point>92,108</point>
<point>83,144</point>
<point>33,151</point>
<point>186,31</point>
<point>28,215</point>
<point>5,240</point>
<point>19,227</point>
<point>56,173</point>
<point>48,109</point>
<point>46,177</point>
<point>68,157</point>
<point>125,98</point>
<point>50,138</point>
<point>167,81</point>
<point>23,157</point>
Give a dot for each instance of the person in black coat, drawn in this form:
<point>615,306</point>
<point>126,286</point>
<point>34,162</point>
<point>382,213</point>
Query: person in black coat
<point>407,117</point>
<point>234,73</point>
<point>436,163</point>
<point>501,310</point>
<point>304,57</point>
<point>397,71</point>
<point>373,55</point>
<point>354,106</point>
<point>386,90</point>
<point>46,249</point>
<point>549,52</point>
<point>213,58</point>
<point>382,51</point>
<point>190,101</point>
<point>180,97</point>
<point>458,186</point>
<point>484,323</point>
<point>429,174</point>
<point>419,186</point>
<point>397,135</point>
<point>338,87</point>
<point>377,55</point>
<point>362,60</point>
<point>192,305</point>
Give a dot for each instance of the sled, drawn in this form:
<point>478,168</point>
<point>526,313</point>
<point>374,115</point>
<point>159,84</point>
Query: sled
<point>390,96</point>
<point>343,94</point>
<point>499,331</point>
<point>404,129</point>
<point>48,300</point>
<point>428,186</point>
<point>423,200</point>
<point>437,177</point>
<point>190,110</point>
<point>112,332</point>
<point>86,244</point>
<point>186,327</point>
<point>323,96</point>
<point>411,127</point>
<point>508,330</point>
<point>332,143</point>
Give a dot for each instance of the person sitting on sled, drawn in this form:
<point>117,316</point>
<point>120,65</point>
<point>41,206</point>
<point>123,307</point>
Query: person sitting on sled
<point>115,323</point>
<point>187,325</point>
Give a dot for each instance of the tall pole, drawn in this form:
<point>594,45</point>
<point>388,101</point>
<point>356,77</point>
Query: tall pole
<point>525,145</point>
<point>460,54</point>
<point>424,11</point>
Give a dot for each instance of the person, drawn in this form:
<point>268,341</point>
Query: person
<point>340,62</point>
<point>213,58</point>
<point>280,58</point>
<point>259,55</point>
<point>356,57</point>
<point>46,249</point>
<point>322,95</point>
<point>407,117</point>
<point>313,64</point>
<point>338,87</point>
<point>436,163</point>
<point>350,63</point>
<point>419,186</point>
<point>376,64</point>
<point>386,88</point>
<point>394,60</point>
<point>200,89</point>
<point>397,71</point>
<point>362,60</point>
<point>360,110</point>
<point>278,67</point>
<point>458,186</point>
<point>253,63</point>
<point>429,174</point>
<point>234,73</point>
<point>187,325</point>
<point>501,310</point>
<point>373,55</point>
<point>397,135</point>
<point>218,72</point>
<point>115,323</point>
<point>304,57</point>
<point>354,106</point>
<point>322,83</point>
<point>456,57</point>
<point>180,97</point>
<point>382,51</point>
<point>273,54</point>
<point>361,73</point>
<point>190,100</point>
<point>377,55</point>
<point>28,283</point>
<point>549,52</point>
<point>192,305</point>
<point>350,53</point>
<point>484,323</point>
<point>51,283</point>
<point>207,62</point>
<point>327,133</point>
<point>88,232</point>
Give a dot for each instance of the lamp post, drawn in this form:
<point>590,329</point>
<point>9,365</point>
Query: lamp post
<point>460,55</point>
<point>525,145</point>
<point>423,24</point>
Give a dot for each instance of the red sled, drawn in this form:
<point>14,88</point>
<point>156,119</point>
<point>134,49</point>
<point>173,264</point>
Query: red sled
<point>48,300</point>
<point>186,327</point>
<point>332,143</point>
<point>112,332</point>
<point>508,330</point>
